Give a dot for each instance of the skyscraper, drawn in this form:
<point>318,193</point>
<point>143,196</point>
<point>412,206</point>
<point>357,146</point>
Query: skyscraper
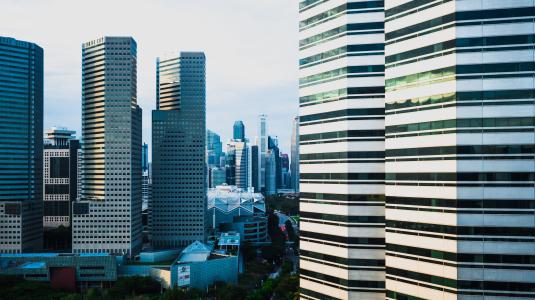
<point>255,174</point>
<point>239,151</point>
<point>342,149</point>
<point>21,149</point>
<point>459,150</point>
<point>271,173</point>
<point>214,149</point>
<point>178,148</point>
<point>145,158</point>
<point>60,179</point>
<point>107,217</point>
<point>294,164</point>
<point>262,142</point>
<point>238,131</point>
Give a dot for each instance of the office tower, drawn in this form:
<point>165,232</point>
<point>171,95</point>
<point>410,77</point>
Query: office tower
<point>285,171</point>
<point>230,164</point>
<point>262,142</point>
<point>214,149</point>
<point>294,164</point>
<point>60,179</point>
<point>459,150</point>
<point>238,131</point>
<point>178,151</point>
<point>273,145</point>
<point>145,157</point>
<point>21,149</point>
<point>271,173</point>
<point>255,176</point>
<point>239,153</point>
<point>342,149</point>
<point>107,217</point>
<point>218,176</point>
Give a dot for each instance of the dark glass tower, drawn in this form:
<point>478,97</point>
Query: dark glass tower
<point>178,151</point>
<point>238,131</point>
<point>21,146</point>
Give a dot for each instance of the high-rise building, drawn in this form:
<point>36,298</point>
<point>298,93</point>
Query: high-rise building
<point>178,151</point>
<point>239,150</point>
<point>107,216</point>
<point>60,176</point>
<point>145,158</point>
<point>214,149</point>
<point>60,179</point>
<point>294,163</point>
<point>262,142</point>
<point>255,175</point>
<point>21,149</point>
<point>459,149</point>
<point>218,176</point>
<point>273,145</point>
<point>285,171</point>
<point>341,95</point>
<point>271,173</point>
<point>238,131</point>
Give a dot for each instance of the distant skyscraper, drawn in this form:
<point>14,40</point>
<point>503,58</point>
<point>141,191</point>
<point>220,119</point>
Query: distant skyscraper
<point>145,158</point>
<point>239,152</point>
<point>273,145</point>
<point>285,170</point>
<point>218,176</point>
<point>21,146</point>
<point>239,131</point>
<point>271,173</point>
<point>294,164</point>
<point>341,99</point>
<point>262,142</point>
<point>255,174</point>
<point>107,217</point>
<point>460,145</point>
<point>178,151</point>
<point>214,149</point>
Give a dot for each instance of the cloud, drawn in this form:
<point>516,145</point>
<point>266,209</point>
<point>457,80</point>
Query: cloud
<point>251,49</point>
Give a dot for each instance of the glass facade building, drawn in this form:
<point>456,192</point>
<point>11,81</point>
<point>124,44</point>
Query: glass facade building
<point>178,151</point>
<point>107,216</point>
<point>341,138</point>
<point>21,146</point>
<point>238,131</point>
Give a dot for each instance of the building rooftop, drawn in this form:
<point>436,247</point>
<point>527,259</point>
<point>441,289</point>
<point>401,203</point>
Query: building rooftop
<point>229,239</point>
<point>227,198</point>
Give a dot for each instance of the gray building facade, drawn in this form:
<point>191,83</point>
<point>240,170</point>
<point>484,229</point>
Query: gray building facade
<point>178,151</point>
<point>107,216</point>
<point>21,146</point>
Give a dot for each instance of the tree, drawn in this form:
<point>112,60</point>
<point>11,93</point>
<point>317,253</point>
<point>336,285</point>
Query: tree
<point>290,230</point>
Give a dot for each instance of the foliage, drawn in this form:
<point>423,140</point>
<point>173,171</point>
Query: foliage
<point>132,286</point>
<point>286,204</point>
<point>290,230</point>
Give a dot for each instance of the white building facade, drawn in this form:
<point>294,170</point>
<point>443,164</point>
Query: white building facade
<point>460,149</point>
<point>341,137</point>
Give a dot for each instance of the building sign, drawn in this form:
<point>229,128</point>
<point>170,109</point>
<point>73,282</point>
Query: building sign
<point>183,275</point>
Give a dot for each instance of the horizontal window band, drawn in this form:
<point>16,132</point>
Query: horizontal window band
<point>342,218</point>
<point>341,281</point>
<point>458,176</point>
<point>342,260</point>
<point>468,150</point>
<point>457,157</point>
<point>461,211</point>
<point>343,176</point>
<point>341,239</point>
<point>338,11</point>
<point>372,91</point>
<point>461,131</point>
<point>341,134</point>
<point>344,50</point>
<point>463,203</point>
<point>343,113</point>
<point>463,230</point>
<point>418,5</point>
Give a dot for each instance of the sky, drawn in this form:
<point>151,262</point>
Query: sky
<point>251,49</point>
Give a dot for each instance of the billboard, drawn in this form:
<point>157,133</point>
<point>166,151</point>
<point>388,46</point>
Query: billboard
<point>183,274</point>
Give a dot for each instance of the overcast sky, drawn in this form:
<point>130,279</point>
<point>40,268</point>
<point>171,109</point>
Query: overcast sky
<point>250,46</point>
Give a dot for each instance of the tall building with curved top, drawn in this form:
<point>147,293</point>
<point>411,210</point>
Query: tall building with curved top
<point>178,151</point>
<point>341,138</point>
<point>107,217</point>
<point>460,167</point>
<point>21,146</point>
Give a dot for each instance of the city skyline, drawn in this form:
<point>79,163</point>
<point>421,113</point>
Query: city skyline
<point>264,72</point>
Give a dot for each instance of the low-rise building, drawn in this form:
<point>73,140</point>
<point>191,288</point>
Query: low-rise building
<point>234,209</point>
<point>65,271</point>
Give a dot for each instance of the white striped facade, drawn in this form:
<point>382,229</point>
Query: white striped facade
<point>460,111</point>
<point>341,137</point>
